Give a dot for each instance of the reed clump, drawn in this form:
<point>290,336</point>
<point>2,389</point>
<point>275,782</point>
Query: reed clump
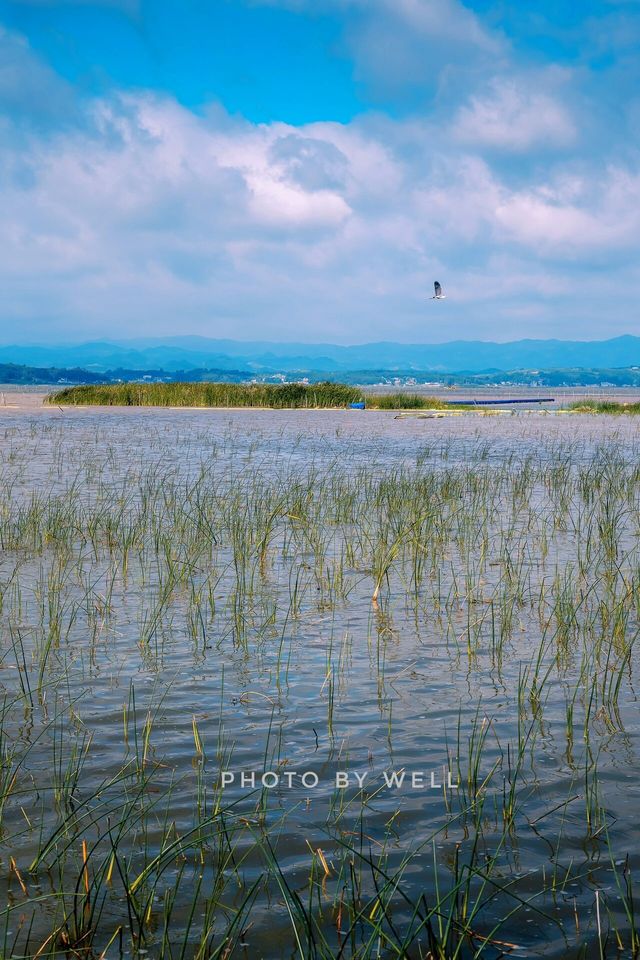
<point>405,401</point>
<point>278,396</point>
<point>275,396</point>
<point>604,406</point>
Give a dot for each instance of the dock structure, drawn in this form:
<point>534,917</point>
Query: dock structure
<point>497,402</point>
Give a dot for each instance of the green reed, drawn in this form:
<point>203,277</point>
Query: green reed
<point>211,395</point>
<point>275,396</point>
<point>127,573</point>
<point>604,406</point>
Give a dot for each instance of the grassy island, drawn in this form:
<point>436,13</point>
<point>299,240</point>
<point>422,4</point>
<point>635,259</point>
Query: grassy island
<point>278,396</point>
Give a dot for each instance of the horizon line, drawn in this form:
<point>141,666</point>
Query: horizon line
<point>305,343</point>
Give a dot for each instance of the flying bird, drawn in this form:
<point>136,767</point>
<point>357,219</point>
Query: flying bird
<point>438,295</point>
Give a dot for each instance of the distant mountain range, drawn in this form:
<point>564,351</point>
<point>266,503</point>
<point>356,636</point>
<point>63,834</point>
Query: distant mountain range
<point>171,354</point>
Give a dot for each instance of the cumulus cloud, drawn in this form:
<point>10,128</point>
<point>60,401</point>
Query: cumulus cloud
<point>141,216</point>
<point>219,221</point>
<point>311,163</point>
<point>515,117</point>
<point>574,216</point>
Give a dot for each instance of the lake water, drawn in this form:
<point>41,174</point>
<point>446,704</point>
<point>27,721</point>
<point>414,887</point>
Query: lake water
<point>187,598</point>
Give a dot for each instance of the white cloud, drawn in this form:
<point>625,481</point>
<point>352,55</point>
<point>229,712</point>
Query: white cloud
<point>437,18</point>
<point>447,20</point>
<point>403,47</point>
<point>145,217</point>
<point>574,216</point>
<point>31,94</point>
<point>566,229</point>
<point>514,116</point>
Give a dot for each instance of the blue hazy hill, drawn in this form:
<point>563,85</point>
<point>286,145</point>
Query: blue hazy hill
<point>191,352</point>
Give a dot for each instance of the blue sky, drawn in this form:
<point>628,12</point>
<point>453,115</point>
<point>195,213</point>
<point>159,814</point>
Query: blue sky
<point>304,169</point>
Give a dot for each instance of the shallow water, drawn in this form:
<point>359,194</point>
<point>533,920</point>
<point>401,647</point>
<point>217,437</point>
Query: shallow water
<point>187,593</point>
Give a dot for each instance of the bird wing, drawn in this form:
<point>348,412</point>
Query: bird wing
<point>438,289</point>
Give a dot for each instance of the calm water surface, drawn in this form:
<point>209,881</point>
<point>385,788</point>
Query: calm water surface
<point>187,594</point>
